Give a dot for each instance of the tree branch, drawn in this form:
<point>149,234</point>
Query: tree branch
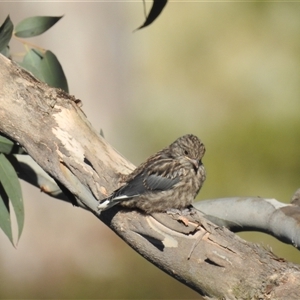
<point>210,259</point>
<point>255,214</point>
<point>238,214</point>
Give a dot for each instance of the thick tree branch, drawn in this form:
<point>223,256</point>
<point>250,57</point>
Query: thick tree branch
<point>211,260</point>
<point>236,213</point>
<point>255,214</point>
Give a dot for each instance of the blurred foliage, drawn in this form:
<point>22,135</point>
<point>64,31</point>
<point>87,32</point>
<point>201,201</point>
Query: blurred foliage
<point>42,63</point>
<point>34,26</point>
<point>155,11</point>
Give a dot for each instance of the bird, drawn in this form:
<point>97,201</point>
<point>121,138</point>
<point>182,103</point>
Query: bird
<point>168,180</point>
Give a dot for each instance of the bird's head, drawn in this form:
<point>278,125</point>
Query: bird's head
<point>188,149</point>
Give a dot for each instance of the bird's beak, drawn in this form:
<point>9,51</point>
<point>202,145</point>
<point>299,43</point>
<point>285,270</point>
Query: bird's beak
<point>196,162</point>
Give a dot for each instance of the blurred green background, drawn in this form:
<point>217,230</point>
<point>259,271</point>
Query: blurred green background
<point>228,72</point>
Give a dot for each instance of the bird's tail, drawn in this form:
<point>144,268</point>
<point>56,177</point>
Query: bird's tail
<point>106,204</point>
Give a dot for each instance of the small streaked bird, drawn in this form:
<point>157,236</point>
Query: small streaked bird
<point>168,180</point>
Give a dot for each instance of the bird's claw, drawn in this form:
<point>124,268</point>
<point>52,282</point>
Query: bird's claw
<point>184,212</point>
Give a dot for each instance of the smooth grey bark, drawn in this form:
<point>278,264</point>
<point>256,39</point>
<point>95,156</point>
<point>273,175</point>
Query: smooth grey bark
<point>270,216</point>
<point>212,260</point>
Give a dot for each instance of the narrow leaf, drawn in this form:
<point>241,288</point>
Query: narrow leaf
<point>10,182</point>
<point>6,31</point>
<point>156,9</point>
<point>5,223</point>
<point>35,26</point>
<point>32,63</point>
<point>6,52</point>
<point>9,147</point>
<point>6,145</point>
<point>52,72</point>
<point>102,133</point>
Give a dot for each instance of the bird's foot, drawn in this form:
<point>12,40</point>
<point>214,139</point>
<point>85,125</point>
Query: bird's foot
<point>182,212</point>
<point>181,215</point>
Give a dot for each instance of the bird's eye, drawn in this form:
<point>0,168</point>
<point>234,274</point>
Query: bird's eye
<point>186,152</point>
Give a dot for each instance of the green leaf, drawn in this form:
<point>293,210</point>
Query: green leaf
<point>35,26</point>
<point>33,57</point>
<point>45,67</point>
<point>5,223</point>
<point>102,133</point>
<point>9,147</point>
<point>6,145</point>
<point>32,63</point>
<point>6,31</point>
<point>52,72</point>
<point>10,182</point>
<point>156,9</point>
<point>6,52</point>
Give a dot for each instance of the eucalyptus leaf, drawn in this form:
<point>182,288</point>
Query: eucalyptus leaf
<point>34,26</point>
<point>33,57</point>
<point>6,145</point>
<point>10,182</point>
<point>156,9</point>
<point>6,52</point>
<point>5,223</point>
<point>6,31</point>
<point>52,72</point>
<point>32,63</point>
<point>9,147</point>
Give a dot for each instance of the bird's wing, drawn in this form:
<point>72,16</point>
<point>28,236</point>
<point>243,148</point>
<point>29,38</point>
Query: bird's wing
<point>143,183</point>
<point>156,182</point>
<point>132,188</point>
<point>156,178</point>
